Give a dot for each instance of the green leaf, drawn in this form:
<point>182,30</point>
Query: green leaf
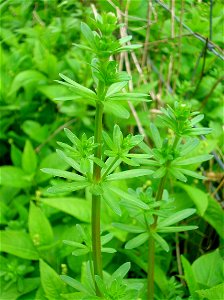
<point>197,119</point>
<point>80,252</point>
<point>75,284</point>
<point>214,215</point>
<point>137,241</point>
<point>192,173</point>
<point>177,173</point>
<point>176,229</point>
<point>160,172</point>
<point>50,281</point>
<point>14,177</point>
<point>15,291</point>
<point>209,269</point>
<point>129,174</point>
<point>112,203</point>
<point>156,136</point>
<point>108,250</point>
<point>78,88</point>
<point>129,47</point>
<point>16,156</point>
<point>128,197</point>
<point>71,136</point>
<point>215,292</point>
<point>115,87</point>
<point>27,78</point>
<point>176,217</point>
<point>88,34</point>
<point>199,198</point>
<point>76,207</point>
<point>116,109</point>
<point>108,140</point>
<point>125,39</point>
<point>63,174</point>
<point>106,238</point>
<point>68,187</point>
<point>189,275</point>
<point>18,243</point>
<point>189,146</point>
<point>39,227</point>
<point>129,97</point>
<point>74,244</point>
<point>192,160</point>
<point>161,241</point>
<point>121,271</point>
<point>51,161</point>
<point>128,228</point>
<point>69,160</point>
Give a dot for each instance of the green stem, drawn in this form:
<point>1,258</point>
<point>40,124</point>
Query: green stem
<point>96,199</point>
<point>151,267</point>
<point>151,242</point>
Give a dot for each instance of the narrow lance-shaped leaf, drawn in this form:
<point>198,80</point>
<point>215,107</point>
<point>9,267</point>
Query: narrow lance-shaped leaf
<point>177,174</point>
<point>176,217</point>
<point>160,172</point>
<point>80,90</point>
<point>192,160</point>
<point>176,229</point>
<point>129,228</point>
<point>88,34</point>
<point>197,119</point>
<point>137,241</point>
<point>116,109</point>
<point>121,271</point>
<point>106,238</point>
<point>128,197</point>
<point>129,174</point>
<point>68,187</point>
<point>115,87</point>
<point>63,174</point>
<point>156,136</point>
<point>192,173</point>
<point>112,204</point>
<point>130,97</point>
<point>71,136</point>
<point>161,241</point>
<point>75,284</point>
<point>189,146</point>
<point>69,160</point>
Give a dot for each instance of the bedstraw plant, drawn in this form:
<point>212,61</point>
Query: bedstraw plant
<point>94,160</point>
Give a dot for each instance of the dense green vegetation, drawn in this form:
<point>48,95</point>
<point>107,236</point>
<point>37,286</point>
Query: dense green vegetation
<point>45,221</point>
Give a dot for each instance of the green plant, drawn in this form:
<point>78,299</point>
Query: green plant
<point>94,162</point>
<point>168,158</point>
<point>180,60</point>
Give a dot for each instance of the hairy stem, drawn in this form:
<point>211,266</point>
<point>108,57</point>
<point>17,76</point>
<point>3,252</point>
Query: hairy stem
<point>96,199</point>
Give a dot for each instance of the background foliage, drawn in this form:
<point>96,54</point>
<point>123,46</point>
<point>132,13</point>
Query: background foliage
<point>181,59</point>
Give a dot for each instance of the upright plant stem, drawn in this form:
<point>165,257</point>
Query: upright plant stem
<point>96,199</point>
<point>151,242</point>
